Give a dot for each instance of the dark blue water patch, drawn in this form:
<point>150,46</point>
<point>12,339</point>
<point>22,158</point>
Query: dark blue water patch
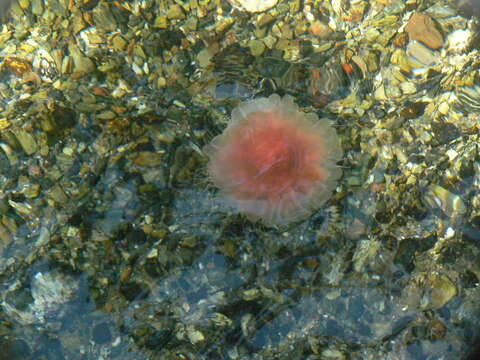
<point>232,89</point>
<point>356,306</point>
<point>469,279</point>
<point>101,333</point>
<point>334,328</point>
<point>61,305</point>
<point>160,339</point>
<point>471,234</point>
<point>49,348</point>
<point>14,349</point>
<point>474,352</point>
<point>415,351</point>
<point>20,298</point>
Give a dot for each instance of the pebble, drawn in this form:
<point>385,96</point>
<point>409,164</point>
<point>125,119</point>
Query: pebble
<point>408,88</point>
<point>257,47</point>
<point>420,55</point>
<point>400,40</point>
<point>444,108</point>
<point>320,30</point>
<point>27,141</point>
<point>175,12</point>
<point>422,28</point>
<point>264,19</point>
<point>380,94</point>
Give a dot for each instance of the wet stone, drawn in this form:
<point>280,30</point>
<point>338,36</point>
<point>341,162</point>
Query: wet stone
<point>264,19</point>
<point>134,291</point>
<point>257,47</point>
<point>159,339</point>
<point>272,67</point>
<point>444,133</point>
<point>407,249</point>
<point>149,159</point>
<point>437,197</point>
<point>420,55</point>
<point>400,39</point>
<point>442,289</point>
<point>412,110</point>
<point>27,141</point>
<point>422,28</point>
<point>420,332</point>
<point>104,18</point>
<point>175,12</point>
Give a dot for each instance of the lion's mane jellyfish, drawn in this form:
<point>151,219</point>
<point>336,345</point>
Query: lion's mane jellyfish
<point>273,162</point>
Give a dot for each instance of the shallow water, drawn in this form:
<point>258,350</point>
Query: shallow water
<point>114,245</point>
